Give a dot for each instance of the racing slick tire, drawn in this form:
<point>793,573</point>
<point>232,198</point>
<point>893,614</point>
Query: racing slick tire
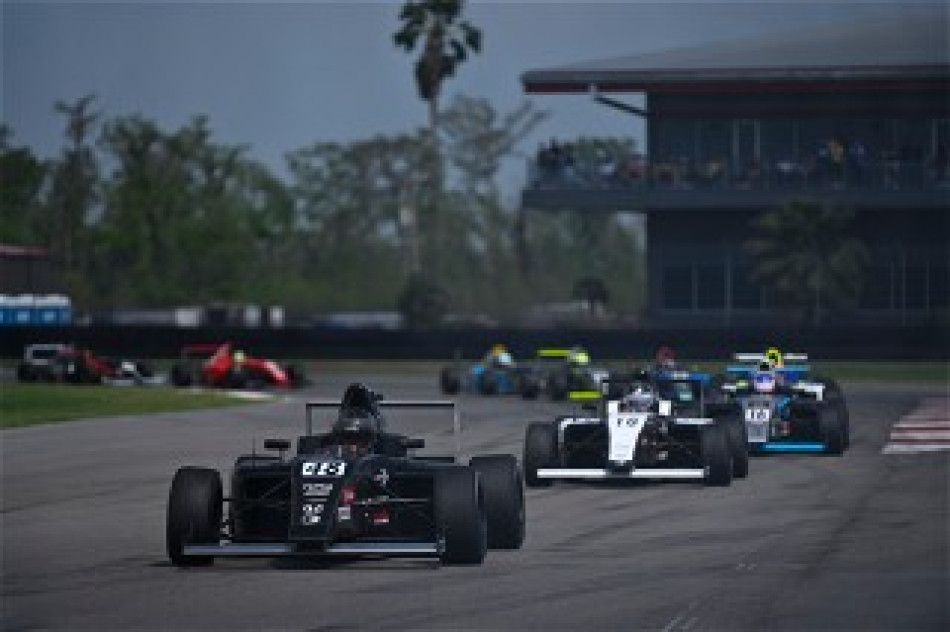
<point>488,383</point>
<point>529,387</point>
<point>449,380</point>
<point>540,451</point>
<point>296,375</point>
<point>194,514</point>
<point>738,446</point>
<point>834,395</point>
<point>461,516</point>
<point>181,376</point>
<point>503,486</point>
<point>831,429</point>
<point>716,456</point>
<point>558,386</point>
<point>25,373</point>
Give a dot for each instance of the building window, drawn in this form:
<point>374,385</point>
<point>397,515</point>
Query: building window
<point>746,293</point>
<point>711,286</point>
<point>677,287</point>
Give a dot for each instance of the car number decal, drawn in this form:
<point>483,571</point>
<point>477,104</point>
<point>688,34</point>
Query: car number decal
<point>758,415</point>
<point>323,468</point>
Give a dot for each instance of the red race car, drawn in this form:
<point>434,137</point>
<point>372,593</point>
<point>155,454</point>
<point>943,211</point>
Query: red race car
<point>220,365</point>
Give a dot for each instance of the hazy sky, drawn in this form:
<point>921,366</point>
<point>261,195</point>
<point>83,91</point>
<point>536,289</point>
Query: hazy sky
<point>281,76</point>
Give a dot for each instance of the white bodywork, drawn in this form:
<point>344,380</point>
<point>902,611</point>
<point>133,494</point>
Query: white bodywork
<point>623,433</point>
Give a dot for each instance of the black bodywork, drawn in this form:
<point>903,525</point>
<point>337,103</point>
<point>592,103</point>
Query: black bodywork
<point>350,493</point>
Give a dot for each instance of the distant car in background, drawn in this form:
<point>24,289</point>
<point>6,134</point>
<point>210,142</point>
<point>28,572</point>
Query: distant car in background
<point>59,362</point>
<point>220,365</point>
<point>496,374</point>
<point>565,371</point>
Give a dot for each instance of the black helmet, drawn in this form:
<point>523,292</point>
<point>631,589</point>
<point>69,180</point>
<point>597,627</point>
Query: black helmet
<point>359,412</point>
<point>356,422</point>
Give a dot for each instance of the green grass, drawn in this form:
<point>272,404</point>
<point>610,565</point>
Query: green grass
<point>29,404</point>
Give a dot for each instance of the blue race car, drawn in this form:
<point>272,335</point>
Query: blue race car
<point>497,374</point>
<point>785,407</point>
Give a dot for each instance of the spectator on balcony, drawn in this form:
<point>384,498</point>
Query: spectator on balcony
<point>836,158</point>
<point>857,161</point>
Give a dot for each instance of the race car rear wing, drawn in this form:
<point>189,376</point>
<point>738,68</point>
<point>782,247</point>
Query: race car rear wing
<point>420,404</point>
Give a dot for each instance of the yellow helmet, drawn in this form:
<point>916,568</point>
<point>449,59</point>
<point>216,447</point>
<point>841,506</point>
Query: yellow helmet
<point>774,357</point>
<point>579,356</point>
<point>499,349</point>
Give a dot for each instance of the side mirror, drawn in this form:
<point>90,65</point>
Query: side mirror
<point>412,444</point>
<point>280,445</point>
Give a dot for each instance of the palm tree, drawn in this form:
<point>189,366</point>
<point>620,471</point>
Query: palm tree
<point>447,41</point>
<point>807,254</point>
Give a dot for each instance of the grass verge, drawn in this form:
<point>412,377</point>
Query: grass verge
<point>29,404</point>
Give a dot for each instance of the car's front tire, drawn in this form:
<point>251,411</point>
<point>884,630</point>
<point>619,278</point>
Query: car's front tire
<point>716,456</point>
<point>503,486</point>
<point>461,516</point>
<point>831,428</point>
<point>738,446</point>
<point>194,514</point>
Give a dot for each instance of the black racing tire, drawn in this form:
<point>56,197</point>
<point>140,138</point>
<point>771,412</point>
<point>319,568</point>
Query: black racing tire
<point>831,429</point>
<point>487,383</point>
<point>181,376</point>
<point>195,505</point>
<point>529,387</point>
<point>461,517</point>
<point>503,486</point>
<point>834,395</point>
<point>558,386</point>
<point>25,373</point>
<point>738,446</point>
<point>449,380</point>
<point>540,451</point>
<point>716,456</point>
<point>296,375</point>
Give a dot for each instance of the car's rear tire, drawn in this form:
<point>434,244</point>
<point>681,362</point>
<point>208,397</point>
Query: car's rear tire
<point>449,380</point>
<point>194,514</point>
<point>540,451</point>
<point>503,486</point>
<point>831,429</point>
<point>716,456</point>
<point>558,386</point>
<point>738,446</point>
<point>460,516</point>
<point>530,386</point>
<point>487,383</point>
<point>181,376</point>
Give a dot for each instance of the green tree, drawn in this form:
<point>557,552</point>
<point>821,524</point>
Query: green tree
<point>74,192</point>
<point>446,40</point>
<point>22,178</point>
<point>807,254</point>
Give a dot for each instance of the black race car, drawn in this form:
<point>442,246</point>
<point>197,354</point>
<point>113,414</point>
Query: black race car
<point>355,489</point>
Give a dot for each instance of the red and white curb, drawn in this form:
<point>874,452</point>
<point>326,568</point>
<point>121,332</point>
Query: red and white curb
<point>924,429</point>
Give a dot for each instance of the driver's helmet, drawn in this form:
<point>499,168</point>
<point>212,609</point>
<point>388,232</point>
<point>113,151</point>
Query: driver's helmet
<point>504,359</point>
<point>763,381</point>
<point>774,358</point>
<point>357,429</point>
<point>239,356</point>
<point>578,357</point>
<point>127,368</point>
<point>665,358</point>
<point>640,398</point>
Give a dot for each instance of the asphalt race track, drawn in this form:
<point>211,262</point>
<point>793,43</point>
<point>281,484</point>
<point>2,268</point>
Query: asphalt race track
<point>807,542</point>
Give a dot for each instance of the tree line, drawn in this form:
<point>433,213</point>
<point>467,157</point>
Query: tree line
<point>135,215</point>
